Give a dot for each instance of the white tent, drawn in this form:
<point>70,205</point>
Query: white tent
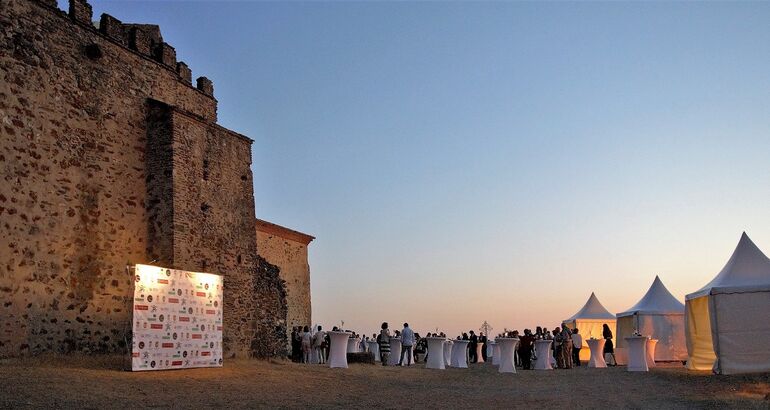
<point>589,321</point>
<point>660,315</point>
<point>726,321</point>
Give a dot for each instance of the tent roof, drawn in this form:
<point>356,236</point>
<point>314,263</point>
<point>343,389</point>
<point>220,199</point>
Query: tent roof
<point>747,269</point>
<point>593,309</point>
<point>657,300</point>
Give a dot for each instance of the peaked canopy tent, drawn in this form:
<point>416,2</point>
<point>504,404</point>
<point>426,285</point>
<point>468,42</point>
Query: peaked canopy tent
<point>589,321</point>
<point>659,315</point>
<point>726,321</point>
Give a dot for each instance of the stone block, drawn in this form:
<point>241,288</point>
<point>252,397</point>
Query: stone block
<point>111,27</point>
<point>81,11</point>
<point>143,38</point>
<point>165,54</point>
<point>205,85</point>
<point>184,72</point>
<point>50,3</point>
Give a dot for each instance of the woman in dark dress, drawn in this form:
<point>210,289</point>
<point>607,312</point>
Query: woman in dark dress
<point>609,348</point>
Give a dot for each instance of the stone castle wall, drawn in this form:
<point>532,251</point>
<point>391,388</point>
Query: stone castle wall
<point>111,156</point>
<point>287,249</point>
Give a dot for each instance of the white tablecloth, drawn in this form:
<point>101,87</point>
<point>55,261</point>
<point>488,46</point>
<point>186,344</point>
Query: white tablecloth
<point>338,349</point>
<point>314,355</point>
<point>436,353</point>
<point>374,347</point>
<point>507,350</point>
<point>637,354</point>
<point>395,351</point>
<point>353,345</point>
<point>479,356</point>
<point>459,351</point>
<point>544,355</point>
<point>597,353</point>
<point>651,343</point>
<point>495,353</point>
<point>448,353</point>
<point>490,350</point>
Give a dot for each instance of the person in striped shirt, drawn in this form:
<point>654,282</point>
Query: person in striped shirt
<point>384,341</point>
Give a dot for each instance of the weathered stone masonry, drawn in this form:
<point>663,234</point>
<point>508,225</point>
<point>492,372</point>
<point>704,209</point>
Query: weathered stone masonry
<point>109,156</point>
<point>287,249</point>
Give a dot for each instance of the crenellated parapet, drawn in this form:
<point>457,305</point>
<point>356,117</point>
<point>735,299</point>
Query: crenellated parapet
<point>144,39</point>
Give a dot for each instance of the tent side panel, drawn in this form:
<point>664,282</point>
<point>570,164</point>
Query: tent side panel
<point>698,334</point>
<point>591,328</point>
<point>625,328</point>
<point>669,330</point>
<point>743,332</point>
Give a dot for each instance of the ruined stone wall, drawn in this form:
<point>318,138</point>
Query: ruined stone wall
<point>288,250</point>
<point>104,143</point>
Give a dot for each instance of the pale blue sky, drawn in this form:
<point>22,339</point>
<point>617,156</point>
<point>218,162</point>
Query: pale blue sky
<point>466,161</point>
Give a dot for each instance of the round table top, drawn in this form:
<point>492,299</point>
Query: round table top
<point>435,338</point>
<point>337,332</point>
<point>636,337</point>
<point>461,341</point>
<point>543,341</point>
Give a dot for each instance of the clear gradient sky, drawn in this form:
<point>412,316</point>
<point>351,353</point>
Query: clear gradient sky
<point>469,161</point>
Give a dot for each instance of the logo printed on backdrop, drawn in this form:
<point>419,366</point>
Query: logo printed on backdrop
<point>161,336</point>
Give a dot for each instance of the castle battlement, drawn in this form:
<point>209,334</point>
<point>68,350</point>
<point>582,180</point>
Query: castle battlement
<point>143,39</point>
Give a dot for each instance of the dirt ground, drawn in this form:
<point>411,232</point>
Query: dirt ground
<point>98,382</point>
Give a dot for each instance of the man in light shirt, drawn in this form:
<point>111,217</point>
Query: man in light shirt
<point>407,341</point>
<point>577,344</point>
<point>318,340</point>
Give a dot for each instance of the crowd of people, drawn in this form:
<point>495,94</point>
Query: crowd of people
<point>566,345</point>
<point>305,343</point>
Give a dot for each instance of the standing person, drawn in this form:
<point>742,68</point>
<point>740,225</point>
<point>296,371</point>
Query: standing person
<point>516,354</point>
<point>558,341</point>
<point>483,341</point>
<point>421,347</point>
<point>407,341</point>
<point>609,348</point>
<point>566,347</point>
<point>306,344</point>
<point>526,345</point>
<point>318,345</point>
<point>328,342</point>
<point>472,346</point>
<point>362,344</point>
<point>383,339</point>
<point>577,344</point>
<point>296,354</point>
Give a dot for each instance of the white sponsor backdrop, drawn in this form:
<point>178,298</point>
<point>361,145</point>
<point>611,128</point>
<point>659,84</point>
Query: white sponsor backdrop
<point>177,321</point>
